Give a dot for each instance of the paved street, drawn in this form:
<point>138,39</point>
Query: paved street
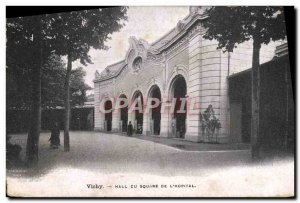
<point>114,159</point>
<point>109,152</point>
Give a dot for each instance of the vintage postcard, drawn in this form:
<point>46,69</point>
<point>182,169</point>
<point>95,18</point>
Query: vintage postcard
<point>190,101</point>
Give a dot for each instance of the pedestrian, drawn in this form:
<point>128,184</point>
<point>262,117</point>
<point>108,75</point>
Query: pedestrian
<point>54,139</point>
<point>129,129</point>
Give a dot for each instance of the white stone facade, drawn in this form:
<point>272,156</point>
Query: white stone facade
<point>182,53</point>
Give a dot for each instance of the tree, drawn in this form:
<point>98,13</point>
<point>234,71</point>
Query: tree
<point>19,62</point>
<point>78,87</point>
<point>234,25</point>
<point>19,88</point>
<point>27,46</point>
<point>53,73</point>
<point>53,76</point>
<point>23,92</point>
<point>21,35</point>
<point>73,34</point>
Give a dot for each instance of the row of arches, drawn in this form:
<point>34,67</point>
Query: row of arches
<point>178,123</point>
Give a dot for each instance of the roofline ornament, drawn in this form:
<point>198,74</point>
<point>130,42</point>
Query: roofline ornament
<point>136,54</point>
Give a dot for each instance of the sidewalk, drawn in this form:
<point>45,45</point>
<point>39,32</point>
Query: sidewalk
<point>191,146</point>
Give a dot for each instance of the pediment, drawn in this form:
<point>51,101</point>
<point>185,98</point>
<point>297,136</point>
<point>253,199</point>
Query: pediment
<point>137,54</point>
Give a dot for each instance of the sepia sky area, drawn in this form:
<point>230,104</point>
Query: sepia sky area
<point>148,23</point>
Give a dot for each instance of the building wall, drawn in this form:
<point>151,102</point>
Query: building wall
<point>204,68</point>
<point>277,106</point>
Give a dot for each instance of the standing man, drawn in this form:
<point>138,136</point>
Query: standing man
<point>54,139</point>
<point>129,129</point>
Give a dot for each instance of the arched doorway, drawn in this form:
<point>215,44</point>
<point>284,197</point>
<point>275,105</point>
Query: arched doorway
<point>155,115</point>
<point>123,114</point>
<point>108,115</point>
<point>179,90</point>
<point>138,112</point>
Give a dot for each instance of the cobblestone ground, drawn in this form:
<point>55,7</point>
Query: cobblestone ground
<point>119,162</point>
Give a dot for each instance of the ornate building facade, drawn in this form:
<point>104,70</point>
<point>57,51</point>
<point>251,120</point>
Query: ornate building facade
<point>181,64</point>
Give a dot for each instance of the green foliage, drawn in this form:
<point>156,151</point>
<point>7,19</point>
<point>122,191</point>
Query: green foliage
<point>62,33</point>
<point>76,32</point>
<point>233,25</point>
<point>78,87</point>
<point>18,87</point>
<point>20,48</point>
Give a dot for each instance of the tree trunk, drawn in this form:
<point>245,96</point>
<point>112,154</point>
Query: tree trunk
<point>35,117</point>
<point>67,105</point>
<point>255,134</point>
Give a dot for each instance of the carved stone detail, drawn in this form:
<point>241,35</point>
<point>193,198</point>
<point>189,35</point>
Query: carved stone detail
<point>154,55</point>
<point>136,54</point>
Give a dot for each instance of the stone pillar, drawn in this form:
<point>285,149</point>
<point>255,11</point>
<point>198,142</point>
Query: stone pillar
<point>193,124</point>
<point>146,120</point>
<point>151,126</point>
<point>99,116</point>
<point>116,115</point>
<point>130,117</point>
<point>224,133</point>
<point>194,90</point>
<point>207,84</point>
<point>99,120</point>
<point>214,71</point>
<point>164,125</point>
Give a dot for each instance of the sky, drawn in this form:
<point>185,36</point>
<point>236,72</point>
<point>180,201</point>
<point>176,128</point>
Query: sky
<point>148,23</point>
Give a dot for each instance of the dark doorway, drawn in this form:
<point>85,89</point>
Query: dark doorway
<point>124,114</point>
<point>155,112</point>
<point>138,113</point>
<point>108,115</point>
<point>179,91</point>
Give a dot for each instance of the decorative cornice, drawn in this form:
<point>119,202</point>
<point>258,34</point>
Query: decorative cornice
<point>110,76</point>
<point>184,28</point>
<point>140,48</point>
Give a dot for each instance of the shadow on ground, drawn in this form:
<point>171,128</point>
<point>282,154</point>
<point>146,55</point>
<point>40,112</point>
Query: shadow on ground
<point>111,153</point>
